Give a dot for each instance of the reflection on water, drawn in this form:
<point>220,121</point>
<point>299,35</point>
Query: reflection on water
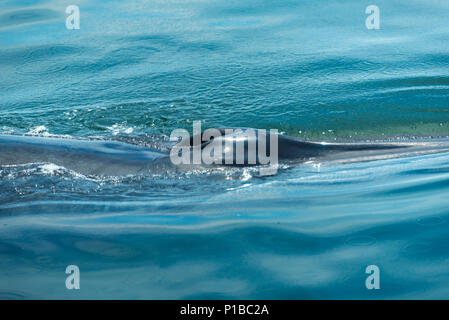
<point>18,17</point>
<point>305,233</point>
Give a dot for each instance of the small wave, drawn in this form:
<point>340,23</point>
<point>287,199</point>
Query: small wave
<point>47,59</point>
<point>39,169</point>
<point>117,128</point>
<point>42,131</point>
<point>27,16</point>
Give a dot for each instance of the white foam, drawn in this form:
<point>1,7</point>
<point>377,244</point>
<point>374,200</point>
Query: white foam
<point>119,128</point>
<point>38,130</point>
<point>50,168</point>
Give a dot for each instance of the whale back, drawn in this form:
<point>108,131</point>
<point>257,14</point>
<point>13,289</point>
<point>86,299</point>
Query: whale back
<point>289,149</point>
<point>99,157</point>
<point>113,158</point>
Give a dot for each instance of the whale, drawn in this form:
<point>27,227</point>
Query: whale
<point>115,158</point>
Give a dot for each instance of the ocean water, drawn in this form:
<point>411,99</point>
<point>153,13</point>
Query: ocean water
<point>136,70</point>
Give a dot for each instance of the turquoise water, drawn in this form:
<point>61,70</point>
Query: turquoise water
<point>137,70</point>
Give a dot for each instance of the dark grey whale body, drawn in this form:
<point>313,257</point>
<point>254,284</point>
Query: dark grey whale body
<point>113,158</point>
<point>107,158</point>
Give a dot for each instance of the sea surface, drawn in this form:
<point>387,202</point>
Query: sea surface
<point>137,70</point>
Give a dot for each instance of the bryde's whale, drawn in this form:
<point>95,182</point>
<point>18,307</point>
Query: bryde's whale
<point>113,158</point>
